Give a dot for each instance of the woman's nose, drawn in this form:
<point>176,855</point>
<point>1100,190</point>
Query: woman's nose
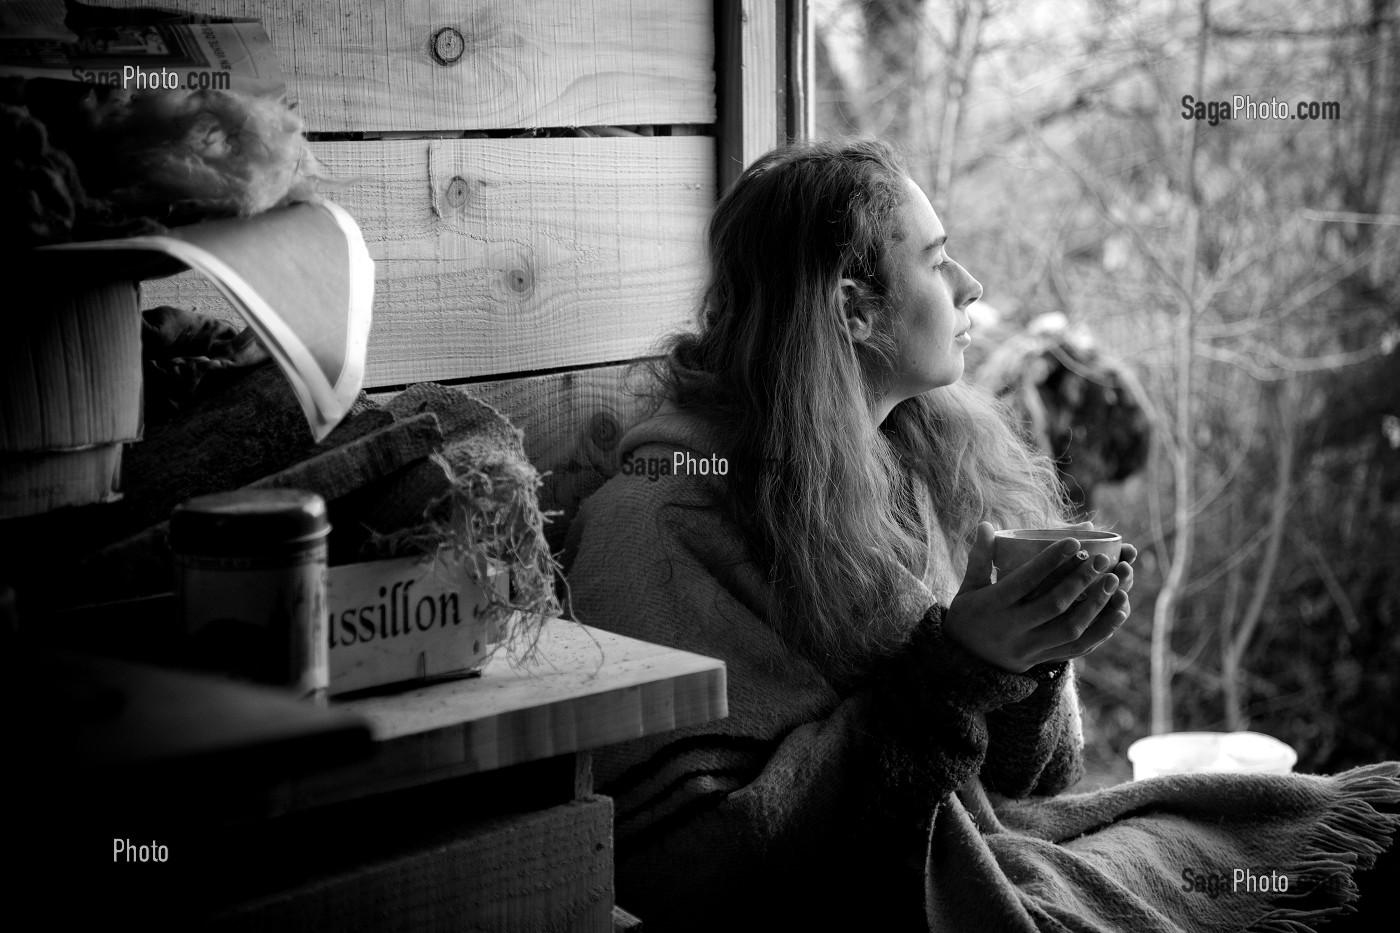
<point>969,289</point>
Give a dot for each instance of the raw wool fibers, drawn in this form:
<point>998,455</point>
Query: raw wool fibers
<point>177,154</point>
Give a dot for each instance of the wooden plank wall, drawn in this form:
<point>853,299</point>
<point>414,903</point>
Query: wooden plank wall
<point>528,268</point>
<point>515,256</point>
<point>376,66</point>
<point>495,256</point>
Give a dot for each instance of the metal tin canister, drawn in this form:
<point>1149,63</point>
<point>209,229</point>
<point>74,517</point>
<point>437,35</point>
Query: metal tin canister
<point>250,585</point>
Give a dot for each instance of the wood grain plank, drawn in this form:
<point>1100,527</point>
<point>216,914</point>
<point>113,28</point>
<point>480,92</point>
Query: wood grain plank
<point>552,696</point>
<point>762,130</point>
<point>747,63</point>
<point>365,65</point>
<point>496,256</point>
<point>587,688</point>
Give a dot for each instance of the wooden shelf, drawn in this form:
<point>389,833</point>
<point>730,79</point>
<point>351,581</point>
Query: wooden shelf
<point>585,688</point>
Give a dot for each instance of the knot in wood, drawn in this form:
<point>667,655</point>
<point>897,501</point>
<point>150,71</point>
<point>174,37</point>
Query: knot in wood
<point>603,430</point>
<point>457,191</point>
<point>448,46</point>
<point>519,280</point>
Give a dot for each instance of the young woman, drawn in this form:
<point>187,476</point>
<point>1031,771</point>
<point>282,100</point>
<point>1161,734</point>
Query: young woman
<point>813,501</point>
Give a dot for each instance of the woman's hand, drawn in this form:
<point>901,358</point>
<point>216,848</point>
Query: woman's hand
<point>998,623</point>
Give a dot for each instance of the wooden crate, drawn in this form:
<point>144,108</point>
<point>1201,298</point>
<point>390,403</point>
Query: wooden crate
<point>547,870</point>
<point>381,630</point>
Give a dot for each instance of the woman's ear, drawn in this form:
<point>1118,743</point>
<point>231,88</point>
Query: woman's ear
<point>857,309</point>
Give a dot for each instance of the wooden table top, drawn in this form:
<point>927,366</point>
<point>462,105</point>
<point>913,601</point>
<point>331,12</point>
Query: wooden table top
<point>584,688</point>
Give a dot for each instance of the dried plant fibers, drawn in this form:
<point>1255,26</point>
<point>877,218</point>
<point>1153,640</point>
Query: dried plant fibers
<point>482,504</point>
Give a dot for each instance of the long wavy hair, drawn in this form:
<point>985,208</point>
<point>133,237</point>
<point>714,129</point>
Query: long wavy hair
<point>824,498</point>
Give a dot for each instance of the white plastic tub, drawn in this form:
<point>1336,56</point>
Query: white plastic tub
<point>1195,752</point>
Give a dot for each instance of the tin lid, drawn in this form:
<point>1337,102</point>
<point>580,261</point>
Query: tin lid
<point>247,521</point>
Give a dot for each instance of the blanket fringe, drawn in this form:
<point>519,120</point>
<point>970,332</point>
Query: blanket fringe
<point>1352,834</point>
<point>1282,925</point>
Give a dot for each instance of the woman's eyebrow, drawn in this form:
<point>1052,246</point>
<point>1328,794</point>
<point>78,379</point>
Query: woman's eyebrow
<point>937,244</point>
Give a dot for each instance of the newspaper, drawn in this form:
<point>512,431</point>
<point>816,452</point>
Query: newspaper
<point>137,50</point>
<point>301,277</point>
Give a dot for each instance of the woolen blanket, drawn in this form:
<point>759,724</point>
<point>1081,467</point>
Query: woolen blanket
<point>921,797</point>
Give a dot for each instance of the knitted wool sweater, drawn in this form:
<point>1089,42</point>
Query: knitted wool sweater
<point>889,805</point>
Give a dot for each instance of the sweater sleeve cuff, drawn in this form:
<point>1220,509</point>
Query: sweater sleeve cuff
<point>932,700</point>
<point>944,668</point>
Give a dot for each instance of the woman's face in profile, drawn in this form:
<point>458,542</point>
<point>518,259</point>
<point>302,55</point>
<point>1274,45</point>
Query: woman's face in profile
<point>927,298</point>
